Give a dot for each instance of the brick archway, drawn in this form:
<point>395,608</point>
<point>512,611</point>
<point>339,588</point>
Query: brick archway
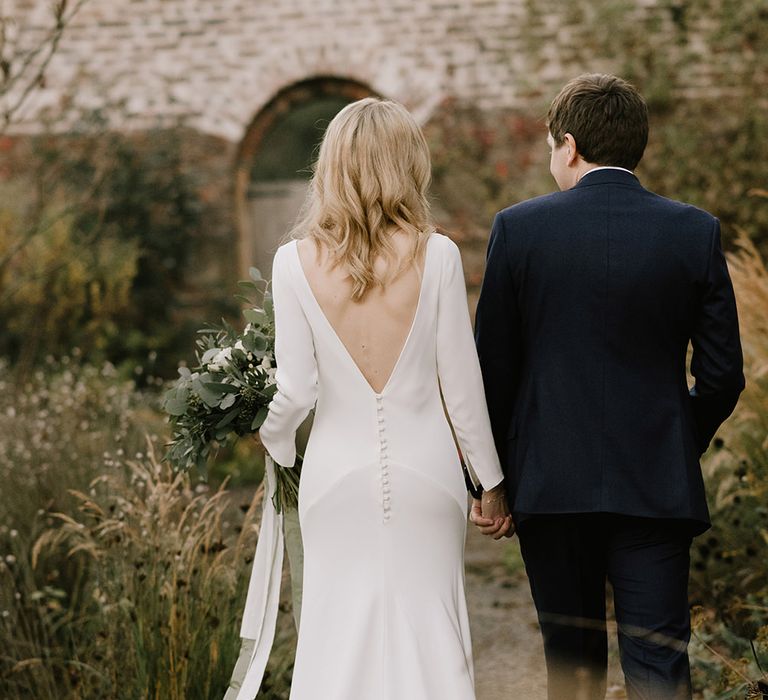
<point>256,141</point>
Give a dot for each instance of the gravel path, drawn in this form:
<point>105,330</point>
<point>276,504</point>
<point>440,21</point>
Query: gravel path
<point>509,658</point>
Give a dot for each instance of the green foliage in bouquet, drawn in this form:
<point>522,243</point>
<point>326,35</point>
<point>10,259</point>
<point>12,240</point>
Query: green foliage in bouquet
<point>226,396</point>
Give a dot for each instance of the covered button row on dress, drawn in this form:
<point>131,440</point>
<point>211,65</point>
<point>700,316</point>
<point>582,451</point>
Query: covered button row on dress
<point>384,475</point>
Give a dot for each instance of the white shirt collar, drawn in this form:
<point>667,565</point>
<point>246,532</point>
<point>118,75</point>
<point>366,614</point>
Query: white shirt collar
<point>607,167</point>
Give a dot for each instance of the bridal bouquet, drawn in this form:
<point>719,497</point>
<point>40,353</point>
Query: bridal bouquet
<point>225,397</point>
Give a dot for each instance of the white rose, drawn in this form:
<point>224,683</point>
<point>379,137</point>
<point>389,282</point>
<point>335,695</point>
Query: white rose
<point>222,356</point>
<point>219,360</point>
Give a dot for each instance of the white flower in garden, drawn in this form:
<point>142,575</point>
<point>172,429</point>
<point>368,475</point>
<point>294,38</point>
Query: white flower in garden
<point>271,376</point>
<point>239,345</point>
<point>266,363</point>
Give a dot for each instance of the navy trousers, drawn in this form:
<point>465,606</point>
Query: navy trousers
<point>568,559</point>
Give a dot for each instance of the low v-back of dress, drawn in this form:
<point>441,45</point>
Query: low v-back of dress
<point>382,499</point>
<point>345,345</point>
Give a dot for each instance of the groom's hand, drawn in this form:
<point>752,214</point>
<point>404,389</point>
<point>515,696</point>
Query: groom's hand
<point>496,527</point>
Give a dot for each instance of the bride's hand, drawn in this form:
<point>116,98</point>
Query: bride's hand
<point>489,526</point>
<point>494,508</point>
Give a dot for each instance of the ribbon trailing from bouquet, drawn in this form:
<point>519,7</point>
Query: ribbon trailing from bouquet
<point>261,604</point>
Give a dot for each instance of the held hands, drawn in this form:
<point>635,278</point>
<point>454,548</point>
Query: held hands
<point>491,513</point>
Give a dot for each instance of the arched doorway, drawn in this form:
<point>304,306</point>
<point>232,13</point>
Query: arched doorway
<point>273,163</point>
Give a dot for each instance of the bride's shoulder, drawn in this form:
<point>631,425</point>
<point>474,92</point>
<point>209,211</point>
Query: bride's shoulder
<point>281,260</point>
<point>444,242</point>
<point>449,250</point>
<point>283,252</point>
<point>284,248</point>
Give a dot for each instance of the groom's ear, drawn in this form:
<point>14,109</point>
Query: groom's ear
<point>573,152</point>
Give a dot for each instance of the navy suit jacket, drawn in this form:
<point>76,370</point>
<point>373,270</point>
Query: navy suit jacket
<point>589,300</point>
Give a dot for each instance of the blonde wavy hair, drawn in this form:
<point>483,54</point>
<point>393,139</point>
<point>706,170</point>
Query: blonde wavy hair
<point>371,175</point>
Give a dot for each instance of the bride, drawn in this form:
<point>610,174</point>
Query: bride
<point>372,329</point>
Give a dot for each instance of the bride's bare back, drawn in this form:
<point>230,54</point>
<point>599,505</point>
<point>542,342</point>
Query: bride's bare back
<point>375,329</point>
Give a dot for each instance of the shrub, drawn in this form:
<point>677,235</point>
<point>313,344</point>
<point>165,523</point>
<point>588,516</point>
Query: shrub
<point>118,578</point>
<point>730,562</point>
<point>98,231</point>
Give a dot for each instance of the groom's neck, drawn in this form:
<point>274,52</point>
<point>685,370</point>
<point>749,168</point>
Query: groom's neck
<point>583,167</point>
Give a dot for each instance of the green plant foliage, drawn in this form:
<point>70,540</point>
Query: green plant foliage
<point>730,562</point>
<point>61,290</point>
<point>701,68</point>
<point>483,161</point>
<point>118,578</point>
<point>101,230</point>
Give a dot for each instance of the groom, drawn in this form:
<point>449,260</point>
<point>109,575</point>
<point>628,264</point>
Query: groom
<point>589,300</point>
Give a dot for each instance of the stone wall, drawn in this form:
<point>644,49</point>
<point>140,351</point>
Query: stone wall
<point>215,65</point>
<point>218,62</point>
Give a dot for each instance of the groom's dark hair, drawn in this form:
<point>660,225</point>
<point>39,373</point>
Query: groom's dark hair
<point>607,117</point>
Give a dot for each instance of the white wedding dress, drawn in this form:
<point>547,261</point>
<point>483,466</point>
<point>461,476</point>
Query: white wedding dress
<point>382,500</point>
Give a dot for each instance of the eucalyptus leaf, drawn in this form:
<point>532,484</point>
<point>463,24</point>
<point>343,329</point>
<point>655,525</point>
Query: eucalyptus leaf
<point>255,274</point>
<point>269,391</point>
<point>228,332</point>
<point>227,401</point>
<point>259,418</point>
<point>228,418</point>
<point>248,284</point>
<point>237,373</point>
<point>206,395</point>
<point>255,315</point>
<point>222,387</point>
<point>175,407</point>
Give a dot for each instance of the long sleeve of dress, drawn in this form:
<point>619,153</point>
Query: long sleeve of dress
<point>296,374</point>
<point>459,371</point>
